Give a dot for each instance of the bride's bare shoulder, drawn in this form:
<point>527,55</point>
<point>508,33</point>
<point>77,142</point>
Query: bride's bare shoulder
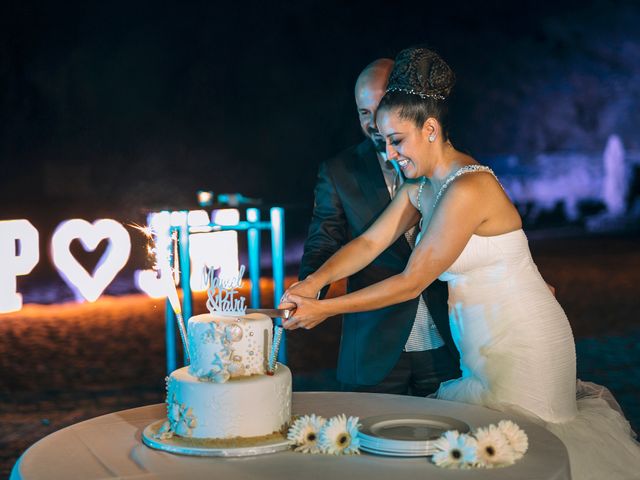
<point>480,186</point>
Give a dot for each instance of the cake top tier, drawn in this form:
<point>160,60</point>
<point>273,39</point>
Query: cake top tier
<point>223,346</point>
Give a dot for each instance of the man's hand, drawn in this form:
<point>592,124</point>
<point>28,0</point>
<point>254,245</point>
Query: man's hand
<point>303,288</point>
<point>308,312</point>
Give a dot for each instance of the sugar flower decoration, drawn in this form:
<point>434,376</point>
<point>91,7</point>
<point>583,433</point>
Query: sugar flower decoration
<point>515,436</point>
<point>182,421</point>
<point>493,449</point>
<point>455,450</point>
<point>339,436</point>
<point>164,432</point>
<point>305,432</point>
<point>187,422</point>
<point>219,372</point>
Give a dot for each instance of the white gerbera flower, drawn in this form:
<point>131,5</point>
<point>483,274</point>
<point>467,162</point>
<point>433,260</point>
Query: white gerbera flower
<point>339,436</point>
<point>304,433</point>
<point>493,449</point>
<point>515,436</point>
<point>455,450</point>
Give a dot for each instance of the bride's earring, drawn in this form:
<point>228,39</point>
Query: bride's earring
<point>432,137</point>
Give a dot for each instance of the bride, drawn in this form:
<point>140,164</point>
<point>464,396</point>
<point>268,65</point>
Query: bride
<point>516,346</point>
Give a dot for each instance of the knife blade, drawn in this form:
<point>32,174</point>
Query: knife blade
<point>272,312</point>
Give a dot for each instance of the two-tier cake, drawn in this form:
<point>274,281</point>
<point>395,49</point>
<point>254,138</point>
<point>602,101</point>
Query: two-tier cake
<point>229,390</point>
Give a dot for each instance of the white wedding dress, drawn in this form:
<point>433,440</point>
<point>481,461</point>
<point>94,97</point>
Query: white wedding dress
<point>517,354</point>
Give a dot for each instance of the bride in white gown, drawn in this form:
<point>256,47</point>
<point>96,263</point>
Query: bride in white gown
<point>516,345</point>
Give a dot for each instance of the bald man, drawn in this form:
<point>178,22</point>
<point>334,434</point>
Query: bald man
<point>405,348</point>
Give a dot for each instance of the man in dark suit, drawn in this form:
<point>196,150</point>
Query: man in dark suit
<point>405,348</point>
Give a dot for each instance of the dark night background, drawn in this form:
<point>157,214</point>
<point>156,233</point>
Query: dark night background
<point>121,106</point>
<point>115,109</point>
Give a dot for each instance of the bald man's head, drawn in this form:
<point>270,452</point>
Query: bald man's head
<point>369,90</point>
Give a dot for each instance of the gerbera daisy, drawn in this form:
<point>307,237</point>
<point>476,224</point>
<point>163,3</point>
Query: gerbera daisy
<point>493,449</point>
<point>339,436</point>
<point>304,433</point>
<point>515,436</point>
<point>455,450</point>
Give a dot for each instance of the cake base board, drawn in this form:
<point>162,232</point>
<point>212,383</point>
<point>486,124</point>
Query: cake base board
<point>198,448</point>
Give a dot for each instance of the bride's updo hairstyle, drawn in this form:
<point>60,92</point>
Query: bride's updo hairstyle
<point>418,88</point>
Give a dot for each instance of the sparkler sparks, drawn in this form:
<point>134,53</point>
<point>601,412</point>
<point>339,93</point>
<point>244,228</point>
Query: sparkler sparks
<point>168,276</point>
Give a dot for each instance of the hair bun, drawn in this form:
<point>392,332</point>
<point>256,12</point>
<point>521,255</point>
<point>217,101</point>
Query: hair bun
<point>422,72</point>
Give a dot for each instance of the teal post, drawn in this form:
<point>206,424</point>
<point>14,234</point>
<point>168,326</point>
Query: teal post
<point>185,274</point>
<point>253,245</point>
<point>277,256</point>
<point>170,336</point>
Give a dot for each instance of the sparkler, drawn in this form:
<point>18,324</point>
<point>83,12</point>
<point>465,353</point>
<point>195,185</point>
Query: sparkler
<point>168,276</point>
<point>275,346</point>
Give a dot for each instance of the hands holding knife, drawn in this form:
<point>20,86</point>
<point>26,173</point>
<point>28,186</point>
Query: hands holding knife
<point>306,311</point>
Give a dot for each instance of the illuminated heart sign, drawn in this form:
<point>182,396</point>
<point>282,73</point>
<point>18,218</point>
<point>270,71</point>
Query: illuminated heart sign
<point>84,284</point>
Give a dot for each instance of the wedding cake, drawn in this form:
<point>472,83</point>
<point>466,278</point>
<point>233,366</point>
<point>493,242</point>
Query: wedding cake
<point>232,389</point>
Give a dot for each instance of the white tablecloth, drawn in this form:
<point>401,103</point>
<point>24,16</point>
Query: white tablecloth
<point>110,446</point>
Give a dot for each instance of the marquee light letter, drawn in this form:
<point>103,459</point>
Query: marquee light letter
<point>149,281</point>
<point>86,285</point>
<point>214,250</point>
<point>20,253</point>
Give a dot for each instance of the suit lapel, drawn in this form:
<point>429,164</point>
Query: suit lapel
<point>371,181</point>
<point>374,189</point>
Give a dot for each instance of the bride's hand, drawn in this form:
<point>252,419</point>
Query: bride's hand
<point>308,313</point>
<point>304,288</point>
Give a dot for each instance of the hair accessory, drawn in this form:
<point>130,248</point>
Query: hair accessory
<point>435,96</point>
<point>420,71</point>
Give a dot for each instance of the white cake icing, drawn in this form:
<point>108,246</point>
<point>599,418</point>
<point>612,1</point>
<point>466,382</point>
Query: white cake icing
<point>242,407</point>
<point>226,392</point>
<point>226,346</point>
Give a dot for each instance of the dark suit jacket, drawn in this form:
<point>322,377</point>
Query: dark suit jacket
<point>350,194</point>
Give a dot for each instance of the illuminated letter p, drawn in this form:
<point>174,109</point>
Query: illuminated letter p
<point>19,252</point>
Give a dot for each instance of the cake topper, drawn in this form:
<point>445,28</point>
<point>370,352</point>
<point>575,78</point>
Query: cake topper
<point>222,293</point>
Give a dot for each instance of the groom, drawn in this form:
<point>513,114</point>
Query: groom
<point>405,348</point>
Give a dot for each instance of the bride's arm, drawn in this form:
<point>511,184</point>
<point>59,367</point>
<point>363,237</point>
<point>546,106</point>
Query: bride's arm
<point>396,219</point>
<point>455,219</point>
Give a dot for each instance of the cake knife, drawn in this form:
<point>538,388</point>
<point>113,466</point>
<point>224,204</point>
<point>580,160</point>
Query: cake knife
<point>272,312</point>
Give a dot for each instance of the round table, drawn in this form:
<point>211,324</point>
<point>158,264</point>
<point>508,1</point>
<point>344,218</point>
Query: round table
<point>110,446</point>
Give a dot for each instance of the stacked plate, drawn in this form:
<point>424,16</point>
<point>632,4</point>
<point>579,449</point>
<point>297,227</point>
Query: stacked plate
<point>405,435</point>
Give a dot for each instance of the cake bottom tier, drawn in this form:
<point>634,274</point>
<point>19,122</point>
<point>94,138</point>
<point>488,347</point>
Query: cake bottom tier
<point>252,406</point>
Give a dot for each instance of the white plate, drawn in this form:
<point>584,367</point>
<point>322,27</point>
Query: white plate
<point>392,449</point>
<point>387,453</point>
<point>406,434</point>
<point>179,445</point>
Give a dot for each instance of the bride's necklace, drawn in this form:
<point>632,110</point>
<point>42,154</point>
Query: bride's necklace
<point>449,179</point>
